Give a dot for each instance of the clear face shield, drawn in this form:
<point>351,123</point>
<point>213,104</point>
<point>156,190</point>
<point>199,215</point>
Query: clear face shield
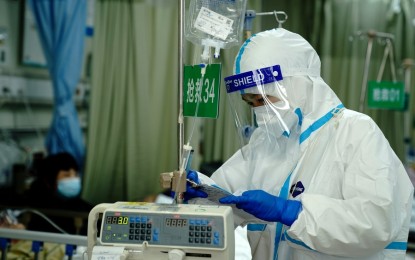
<point>264,117</point>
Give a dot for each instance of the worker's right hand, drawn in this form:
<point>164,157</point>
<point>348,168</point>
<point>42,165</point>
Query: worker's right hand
<point>266,206</point>
<point>193,192</point>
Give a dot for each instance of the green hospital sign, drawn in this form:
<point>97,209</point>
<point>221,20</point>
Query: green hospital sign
<point>386,95</point>
<point>201,97</point>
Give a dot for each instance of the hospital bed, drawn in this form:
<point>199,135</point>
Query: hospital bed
<point>24,244</point>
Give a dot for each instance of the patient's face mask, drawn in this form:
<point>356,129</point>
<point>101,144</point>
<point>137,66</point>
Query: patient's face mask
<point>69,187</point>
<point>259,101</point>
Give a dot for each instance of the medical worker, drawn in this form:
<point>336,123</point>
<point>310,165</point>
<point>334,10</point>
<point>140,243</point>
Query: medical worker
<point>321,179</point>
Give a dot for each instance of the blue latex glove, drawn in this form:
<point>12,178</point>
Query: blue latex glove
<point>192,192</point>
<point>266,206</point>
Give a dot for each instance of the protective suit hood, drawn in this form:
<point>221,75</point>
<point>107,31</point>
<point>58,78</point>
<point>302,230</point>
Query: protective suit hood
<point>300,67</point>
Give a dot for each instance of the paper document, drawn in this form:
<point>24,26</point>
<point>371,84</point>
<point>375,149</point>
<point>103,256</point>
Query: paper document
<point>108,253</point>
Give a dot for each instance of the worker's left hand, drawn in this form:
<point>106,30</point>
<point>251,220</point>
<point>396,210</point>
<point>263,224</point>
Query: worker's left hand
<point>266,206</point>
<point>193,192</point>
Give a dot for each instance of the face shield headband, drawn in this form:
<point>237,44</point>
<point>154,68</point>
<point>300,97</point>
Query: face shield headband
<point>260,106</point>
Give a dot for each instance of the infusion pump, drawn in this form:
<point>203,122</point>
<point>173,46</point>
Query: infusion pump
<point>140,230</point>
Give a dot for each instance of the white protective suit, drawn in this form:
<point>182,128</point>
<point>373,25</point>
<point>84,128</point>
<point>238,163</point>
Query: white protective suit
<point>355,193</point>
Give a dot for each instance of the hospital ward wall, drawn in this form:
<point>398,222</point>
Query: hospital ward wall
<point>26,95</point>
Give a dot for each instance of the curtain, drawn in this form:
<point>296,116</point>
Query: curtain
<point>132,134</point>
<point>343,55</point>
<point>61,25</point>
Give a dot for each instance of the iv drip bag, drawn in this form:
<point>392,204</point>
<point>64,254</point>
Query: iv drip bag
<point>215,23</point>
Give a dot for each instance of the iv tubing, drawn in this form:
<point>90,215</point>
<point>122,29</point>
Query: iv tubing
<point>203,72</point>
<point>185,152</point>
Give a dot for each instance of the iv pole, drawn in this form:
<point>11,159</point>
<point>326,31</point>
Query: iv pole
<point>181,51</point>
<point>251,14</point>
<point>371,36</point>
<point>407,64</point>
<point>179,177</point>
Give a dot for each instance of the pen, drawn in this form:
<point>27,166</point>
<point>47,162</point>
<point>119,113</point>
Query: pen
<point>194,184</point>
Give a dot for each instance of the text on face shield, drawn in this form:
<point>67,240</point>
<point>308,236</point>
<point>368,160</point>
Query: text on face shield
<point>252,78</point>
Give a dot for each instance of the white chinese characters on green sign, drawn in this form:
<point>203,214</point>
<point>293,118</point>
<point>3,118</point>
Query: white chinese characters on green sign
<point>201,95</point>
<point>386,95</point>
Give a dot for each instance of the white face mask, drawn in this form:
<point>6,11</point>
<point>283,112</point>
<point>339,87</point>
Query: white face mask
<point>276,123</point>
<point>277,136</point>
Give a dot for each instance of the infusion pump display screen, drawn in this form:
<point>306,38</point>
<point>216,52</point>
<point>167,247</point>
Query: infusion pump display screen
<point>172,222</point>
<point>116,220</point>
<point>163,229</point>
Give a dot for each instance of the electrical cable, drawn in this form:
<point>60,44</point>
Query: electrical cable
<point>44,217</point>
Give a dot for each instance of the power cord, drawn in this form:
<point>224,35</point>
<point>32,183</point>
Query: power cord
<point>16,214</point>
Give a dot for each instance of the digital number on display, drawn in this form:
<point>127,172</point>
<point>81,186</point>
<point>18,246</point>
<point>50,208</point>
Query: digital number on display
<point>174,222</point>
<point>116,220</point>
